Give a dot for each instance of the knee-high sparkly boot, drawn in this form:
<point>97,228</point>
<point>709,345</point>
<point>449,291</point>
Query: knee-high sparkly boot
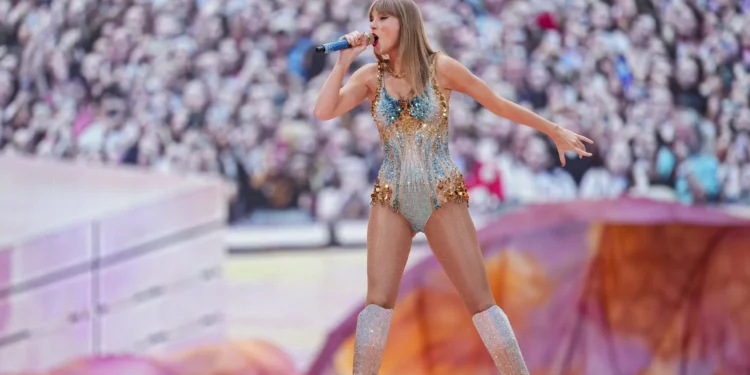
<point>496,333</point>
<point>373,324</point>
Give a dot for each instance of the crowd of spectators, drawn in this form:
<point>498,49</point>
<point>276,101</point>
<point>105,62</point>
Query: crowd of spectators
<point>227,87</point>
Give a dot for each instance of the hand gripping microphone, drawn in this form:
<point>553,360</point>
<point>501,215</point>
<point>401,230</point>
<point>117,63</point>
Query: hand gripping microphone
<point>343,44</point>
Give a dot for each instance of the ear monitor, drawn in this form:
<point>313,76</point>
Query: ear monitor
<point>343,44</point>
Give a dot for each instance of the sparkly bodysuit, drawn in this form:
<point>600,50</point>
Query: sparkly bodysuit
<point>417,175</point>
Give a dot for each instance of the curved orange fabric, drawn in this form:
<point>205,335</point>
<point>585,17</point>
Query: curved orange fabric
<point>681,290</point>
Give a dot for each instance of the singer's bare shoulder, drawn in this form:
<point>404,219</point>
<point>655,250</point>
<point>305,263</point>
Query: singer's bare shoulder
<point>360,86</point>
<point>367,75</point>
<point>452,75</point>
<point>369,68</point>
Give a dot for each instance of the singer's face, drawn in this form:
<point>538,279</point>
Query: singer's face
<point>386,27</point>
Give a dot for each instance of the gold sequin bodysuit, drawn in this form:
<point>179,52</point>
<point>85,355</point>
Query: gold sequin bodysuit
<point>417,175</point>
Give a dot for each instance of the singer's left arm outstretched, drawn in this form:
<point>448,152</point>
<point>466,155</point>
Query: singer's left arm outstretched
<point>454,76</point>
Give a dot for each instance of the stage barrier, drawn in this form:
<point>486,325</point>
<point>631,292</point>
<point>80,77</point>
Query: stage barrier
<point>97,260</point>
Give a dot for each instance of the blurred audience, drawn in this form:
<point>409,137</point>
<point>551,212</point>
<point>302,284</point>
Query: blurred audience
<point>226,87</point>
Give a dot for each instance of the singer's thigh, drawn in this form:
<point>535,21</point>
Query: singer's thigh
<point>453,239</point>
<point>389,238</point>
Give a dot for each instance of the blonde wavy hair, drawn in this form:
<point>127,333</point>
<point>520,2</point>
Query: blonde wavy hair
<point>414,50</point>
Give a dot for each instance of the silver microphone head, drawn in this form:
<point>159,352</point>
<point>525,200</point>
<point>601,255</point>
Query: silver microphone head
<point>369,38</point>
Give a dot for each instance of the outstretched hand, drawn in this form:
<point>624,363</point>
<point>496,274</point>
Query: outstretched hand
<point>565,140</point>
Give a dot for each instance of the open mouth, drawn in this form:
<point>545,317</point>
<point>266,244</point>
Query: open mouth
<point>375,42</point>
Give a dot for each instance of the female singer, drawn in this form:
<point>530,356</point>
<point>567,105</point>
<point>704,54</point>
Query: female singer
<point>419,189</point>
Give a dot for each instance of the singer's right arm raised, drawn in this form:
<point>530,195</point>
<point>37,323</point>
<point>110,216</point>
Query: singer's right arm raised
<point>334,100</point>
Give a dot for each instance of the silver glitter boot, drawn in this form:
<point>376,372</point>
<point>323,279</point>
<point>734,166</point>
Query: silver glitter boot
<point>373,324</point>
<point>494,329</point>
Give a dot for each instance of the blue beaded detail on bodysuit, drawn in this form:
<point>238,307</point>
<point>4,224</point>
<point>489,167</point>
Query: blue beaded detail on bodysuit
<point>419,107</point>
<point>417,175</point>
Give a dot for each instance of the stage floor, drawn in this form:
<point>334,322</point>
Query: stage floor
<point>294,298</point>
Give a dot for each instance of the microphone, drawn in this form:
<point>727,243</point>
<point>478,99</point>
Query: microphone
<point>342,44</point>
